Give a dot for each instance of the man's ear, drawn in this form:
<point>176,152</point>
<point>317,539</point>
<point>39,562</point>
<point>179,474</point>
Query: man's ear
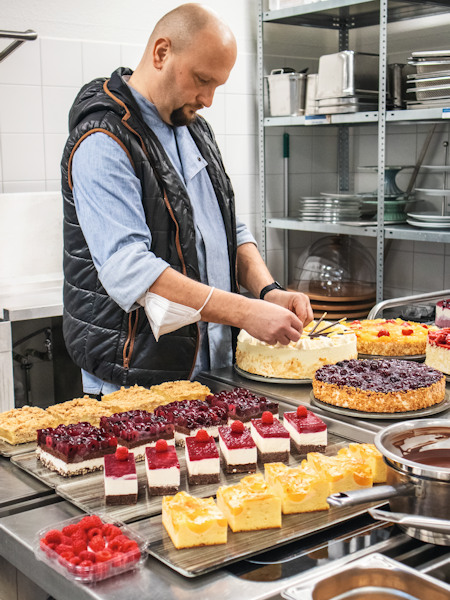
<point>161,50</point>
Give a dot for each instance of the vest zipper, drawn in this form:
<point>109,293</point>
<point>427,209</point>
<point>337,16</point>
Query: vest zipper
<point>129,343</point>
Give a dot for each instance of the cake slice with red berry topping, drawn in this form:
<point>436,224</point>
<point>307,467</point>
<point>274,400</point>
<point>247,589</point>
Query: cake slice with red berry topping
<point>443,314</point>
<point>121,484</point>
<point>238,448</point>
<point>202,459</point>
<point>308,432</point>
<point>162,468</point>
<point>438,350</point>
<point>243,405</point>
<point>271,438</point>
<point>74,449</point>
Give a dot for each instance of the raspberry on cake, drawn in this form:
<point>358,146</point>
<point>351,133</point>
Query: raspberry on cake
<point>19,425</point>
<point>343,473</point>
<point>250,505</point>
<point>368,454</point>
<point>443,313</point>
<point>137,430</point>
<point>298,490</point>
<point>238,448</point>
<point>189,416</point>
<point>379,385</point>
<point>162,468</point>
<point>438,350</point>
<point>191,521</point>
<point>74,449</point>
<point>308,432</point>
<point>202,459</point>
<point>271,439</point>
<point>243,405</point>
<point>121,484</point>
<point>296,360</point>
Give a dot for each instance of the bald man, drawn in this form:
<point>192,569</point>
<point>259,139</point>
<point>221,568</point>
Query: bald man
<point>153,252</point>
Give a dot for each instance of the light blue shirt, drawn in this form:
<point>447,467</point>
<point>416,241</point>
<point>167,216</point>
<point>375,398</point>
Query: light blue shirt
<point>108,199</point>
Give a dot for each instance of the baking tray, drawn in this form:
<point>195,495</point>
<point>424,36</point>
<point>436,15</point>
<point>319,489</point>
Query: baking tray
<point>9,450</point>
<point>416,357</point>
<point>360,414</point>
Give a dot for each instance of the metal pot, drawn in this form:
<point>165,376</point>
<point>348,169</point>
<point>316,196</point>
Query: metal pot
<point>417,454</point>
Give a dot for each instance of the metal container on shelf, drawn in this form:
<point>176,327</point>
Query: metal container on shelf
<point>347,73</point>
<point>287,92</point>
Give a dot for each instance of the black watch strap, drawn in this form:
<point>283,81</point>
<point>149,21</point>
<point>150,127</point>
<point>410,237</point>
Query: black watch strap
<point>272,286</point>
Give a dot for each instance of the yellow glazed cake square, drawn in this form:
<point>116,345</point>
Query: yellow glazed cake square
<point>250,504</point>
<point>342,473</point>
<point>191,521</point>
<point>368,454</point>
<point>298,490</point>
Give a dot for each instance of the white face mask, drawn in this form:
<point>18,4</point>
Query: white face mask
<point>165,316</point>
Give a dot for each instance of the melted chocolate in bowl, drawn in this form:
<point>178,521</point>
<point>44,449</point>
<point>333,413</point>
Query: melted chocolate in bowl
<point>426,446</point>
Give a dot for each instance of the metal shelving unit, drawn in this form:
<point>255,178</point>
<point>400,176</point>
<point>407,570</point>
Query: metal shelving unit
<point>342,15</point>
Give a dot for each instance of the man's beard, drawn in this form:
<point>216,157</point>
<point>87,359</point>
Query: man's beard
<point>178,117</point>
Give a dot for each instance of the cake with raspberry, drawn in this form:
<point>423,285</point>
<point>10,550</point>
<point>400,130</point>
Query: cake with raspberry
<point>308,432</point>
<point>192,522</point>
<point>238,448</point>
<point>120,478</point>
<point>382,386</point>
<point>442,318</point>
<point>390,337</point>
<point>162,468</point>
<point>438,350</point>
<point>202,459</point>
<point>243,405</point>
<point>296,360</point>
<point>74,449</point>
<point>189,416</point>
<point>271,438</point>
<point>138,429</point>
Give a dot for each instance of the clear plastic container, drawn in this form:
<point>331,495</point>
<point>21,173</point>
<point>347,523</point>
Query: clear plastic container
<point>120,562</point>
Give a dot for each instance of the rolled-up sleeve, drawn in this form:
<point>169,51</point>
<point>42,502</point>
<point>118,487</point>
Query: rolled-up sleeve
<point>243,234</point>
<point>108,202</point>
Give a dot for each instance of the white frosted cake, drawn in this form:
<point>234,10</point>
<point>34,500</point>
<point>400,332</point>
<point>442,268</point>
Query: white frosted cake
<point>299,360</point>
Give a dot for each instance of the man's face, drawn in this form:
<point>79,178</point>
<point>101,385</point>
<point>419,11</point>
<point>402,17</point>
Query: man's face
<point>190,78</point>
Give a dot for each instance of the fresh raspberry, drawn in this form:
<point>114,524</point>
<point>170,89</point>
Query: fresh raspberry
<point>115,545</point>
<point>67,555</point>
<point>237,427</point>
<point>121,453</point>
<point>161,446</point>
<point>267,417</point>
<point>133,554</point>
<point>97,543</point>
<point>90,521</point>
<point>63,548</point>
<point>84,564</point>
<point>112,441</point>
<point>103,555</point>
<point>423,325</point>
<point>87,555</point>
<point>75,560</point>
<point>79,546</point>
<point>65,539</point>
<point>383,332</point>
<point>54,536</point>
<point>407,331</point>
<point>301,411</point>
<point>93,532</point>
<point>69,530</point>
<point>202,436</point>
<point>111,531</point>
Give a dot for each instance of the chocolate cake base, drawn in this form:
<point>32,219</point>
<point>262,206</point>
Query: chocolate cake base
<point>164,490</point>
<point>121,499</point>
<point>203,478</point>
<point>269,457</point>
<point>304,449</point>
<point>248,468</point>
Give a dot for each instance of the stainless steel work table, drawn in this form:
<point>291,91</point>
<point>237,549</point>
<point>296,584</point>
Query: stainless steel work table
<point>18,487</point>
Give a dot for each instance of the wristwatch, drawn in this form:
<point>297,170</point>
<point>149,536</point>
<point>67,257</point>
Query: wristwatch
<point>272,286</point>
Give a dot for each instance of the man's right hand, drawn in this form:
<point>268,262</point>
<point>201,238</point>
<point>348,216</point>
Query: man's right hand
<point>272,323</point>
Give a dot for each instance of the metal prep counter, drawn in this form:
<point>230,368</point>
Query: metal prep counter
<point>263,576</point>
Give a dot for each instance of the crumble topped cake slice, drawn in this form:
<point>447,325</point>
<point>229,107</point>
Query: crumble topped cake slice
<point>308,432</point>
<point>379,385</point>
<point>162,468</point>
<point>132,398</point>
<point>192,522</point>
<point>174,391</point>
<point>238,448</point>
<point>250,504</point>
<point>438,350</point>
<point>202,459</point>
<point>120,479</point>
<point>243,405</point>
<point>86,409</point>
<point>271,439</point>
<point>20,425</point>
<point>74,449</point>
<point>138,429</point>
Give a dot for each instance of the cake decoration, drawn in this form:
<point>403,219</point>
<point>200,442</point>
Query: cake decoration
<point>238,448</point>
<point>308,432</point>
<point>271,438</point>
<point>202,459</point>
<point>438,350</point>
<point>120,478</point>
<point>162,469</point>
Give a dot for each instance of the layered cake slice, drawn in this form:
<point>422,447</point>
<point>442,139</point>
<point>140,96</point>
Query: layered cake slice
<point>443,313</point>
<point>191,521</point>
<point>343,473</point>
<point>438,350</point>
<point>202,459</point>
<point>271,438</point>
<point>74,449</point>
<point>138,429</point>
<point>121,484</point>
<point>242,405</point>
<point>238,448</point>
<point>174,391</point>
<point>308,432</point>
<point>19,425</point>
<point>189,416</point>
<point>371,456</point>
<point>162,468</point>
<point>298,490</point>
<point>132,398</point>
<point>79,410</point>
<point>250,505</point>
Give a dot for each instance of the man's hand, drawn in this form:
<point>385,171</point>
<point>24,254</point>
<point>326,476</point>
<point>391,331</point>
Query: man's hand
<point>296,302</point>
<point>271,323</point>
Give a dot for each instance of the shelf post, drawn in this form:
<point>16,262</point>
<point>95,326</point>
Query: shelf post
<point>261,141</point>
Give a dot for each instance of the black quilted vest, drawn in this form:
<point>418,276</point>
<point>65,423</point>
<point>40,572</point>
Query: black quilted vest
<point>101,338</point>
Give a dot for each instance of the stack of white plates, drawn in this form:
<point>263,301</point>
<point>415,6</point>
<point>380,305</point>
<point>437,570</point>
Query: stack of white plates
<point>330,208</point>
<point>428,220</point>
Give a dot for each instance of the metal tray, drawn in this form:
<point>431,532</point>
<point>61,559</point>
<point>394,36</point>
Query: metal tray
<point>399,416</point>
<point>416,357</point>
<point>12,450</point>
<point>261,378</point>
